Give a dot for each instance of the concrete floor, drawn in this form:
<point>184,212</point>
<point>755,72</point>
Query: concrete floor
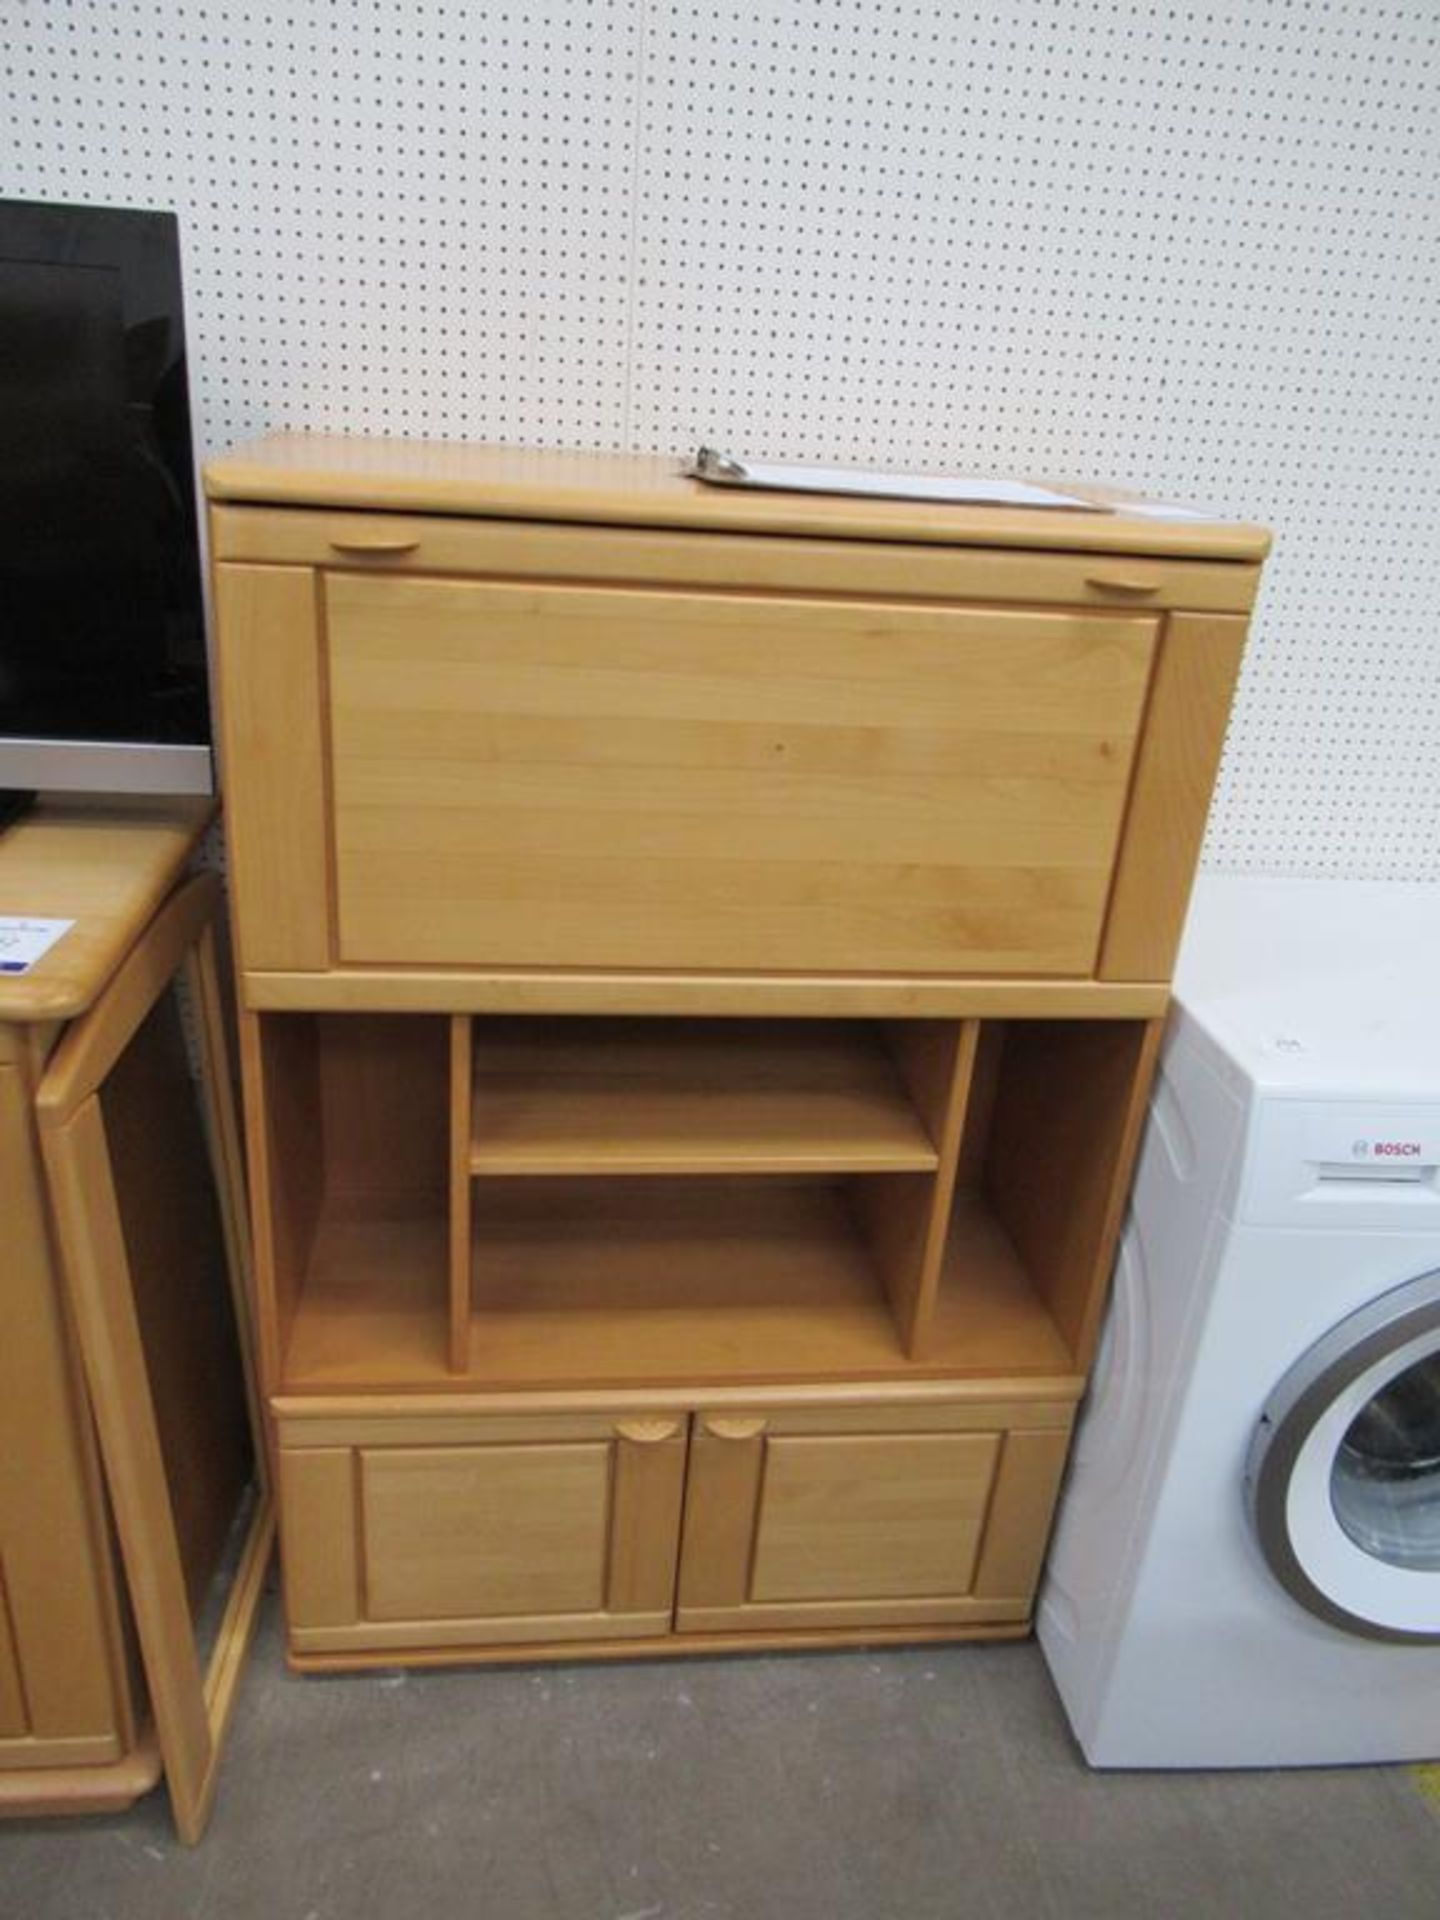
<point>898,1786</point>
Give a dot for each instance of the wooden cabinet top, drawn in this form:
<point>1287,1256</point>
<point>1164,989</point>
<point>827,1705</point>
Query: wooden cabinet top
<point>106,865</point>
<point>648,490</point>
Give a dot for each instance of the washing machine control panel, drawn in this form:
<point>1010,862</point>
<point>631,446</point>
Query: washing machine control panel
<point>1313,1163</point>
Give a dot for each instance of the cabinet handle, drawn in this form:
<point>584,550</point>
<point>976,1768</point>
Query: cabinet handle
<point>646,1433</point>
<point>742,1427</point>
<point>382,546</point>
<point>1127,583</point>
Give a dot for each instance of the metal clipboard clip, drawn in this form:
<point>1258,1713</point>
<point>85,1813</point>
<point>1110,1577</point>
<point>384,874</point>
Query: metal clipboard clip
<point>716,467</point>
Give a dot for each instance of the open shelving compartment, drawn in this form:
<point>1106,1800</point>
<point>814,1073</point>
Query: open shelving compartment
<point>350,1169</point>
<point>592,1202</point>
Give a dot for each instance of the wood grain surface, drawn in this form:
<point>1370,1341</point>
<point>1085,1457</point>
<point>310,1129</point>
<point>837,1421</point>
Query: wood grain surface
<point>332,470</point>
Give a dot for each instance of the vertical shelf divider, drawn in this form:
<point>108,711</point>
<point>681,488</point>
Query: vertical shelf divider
<point>461,1096</point>
<point>905,1217</point>
<point>979,1115</point>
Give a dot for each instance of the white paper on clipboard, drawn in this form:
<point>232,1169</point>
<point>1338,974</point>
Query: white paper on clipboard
<point>723,470</point>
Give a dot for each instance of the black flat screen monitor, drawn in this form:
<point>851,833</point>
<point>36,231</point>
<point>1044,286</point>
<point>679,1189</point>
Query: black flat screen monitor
<point>102,632</point>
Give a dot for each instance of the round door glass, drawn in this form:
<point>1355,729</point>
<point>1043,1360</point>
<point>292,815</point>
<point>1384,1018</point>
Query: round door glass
<point>1385,1482</point>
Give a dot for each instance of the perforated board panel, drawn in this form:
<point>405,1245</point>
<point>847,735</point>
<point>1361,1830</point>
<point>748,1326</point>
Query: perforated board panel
<point>1190,249</point>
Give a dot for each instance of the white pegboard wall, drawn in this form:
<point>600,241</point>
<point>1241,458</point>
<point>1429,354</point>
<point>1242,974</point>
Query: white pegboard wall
<point>405,220</point>
<point>1191,249</point>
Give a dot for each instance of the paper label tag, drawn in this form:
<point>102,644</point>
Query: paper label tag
<point>24,941</point>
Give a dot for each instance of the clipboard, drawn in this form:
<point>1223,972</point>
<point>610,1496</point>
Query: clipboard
<point>719,469</point>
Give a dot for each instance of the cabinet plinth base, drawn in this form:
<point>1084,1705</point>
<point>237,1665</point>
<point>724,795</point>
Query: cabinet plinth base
<point>668,1646</point>
<point>29,1793</point>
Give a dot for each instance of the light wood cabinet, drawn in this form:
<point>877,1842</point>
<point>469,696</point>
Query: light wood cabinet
<point>126,1450</point>
<point>703,958</point>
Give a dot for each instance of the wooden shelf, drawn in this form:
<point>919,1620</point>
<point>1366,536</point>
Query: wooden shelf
<point>594,1284</point>
<point>690,1097</point>
<point>372,1309</point>
<point>626,1284</point>
<point>989,1318</point>
<point>591,1281</point>
<point>644,1283</point>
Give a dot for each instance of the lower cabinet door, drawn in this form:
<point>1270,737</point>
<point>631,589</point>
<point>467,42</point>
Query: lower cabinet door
<point>525,1528</point>
<point>61,1684</point>
<point>868,1516</point>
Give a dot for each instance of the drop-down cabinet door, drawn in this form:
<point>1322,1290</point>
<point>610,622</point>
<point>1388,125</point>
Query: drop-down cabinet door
<point>482,1530</point>
<point>816,1517</point>
<point>543,775</point>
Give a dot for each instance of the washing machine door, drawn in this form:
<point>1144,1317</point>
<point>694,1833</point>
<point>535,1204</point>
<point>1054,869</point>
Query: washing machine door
<point>1343,1479</point>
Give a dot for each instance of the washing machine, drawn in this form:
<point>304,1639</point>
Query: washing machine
<point>1246,1564</point>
